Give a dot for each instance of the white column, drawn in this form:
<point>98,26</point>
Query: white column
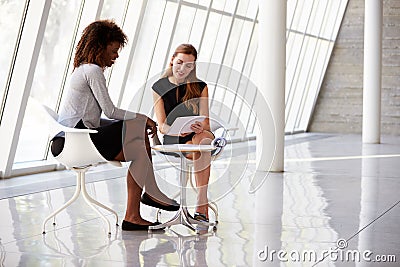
<point>271,83</point>
<point>371,128</point>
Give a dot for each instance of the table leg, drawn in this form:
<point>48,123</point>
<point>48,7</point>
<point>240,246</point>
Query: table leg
<point>182,216</point>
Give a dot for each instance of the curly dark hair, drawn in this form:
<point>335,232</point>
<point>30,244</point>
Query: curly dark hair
<point>94,40</point>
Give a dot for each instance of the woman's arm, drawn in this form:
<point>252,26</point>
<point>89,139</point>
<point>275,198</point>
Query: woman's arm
<point>160,113</point>
<point>97,83</point>
<point>204,109</point>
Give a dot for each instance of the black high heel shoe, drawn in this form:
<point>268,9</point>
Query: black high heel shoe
<point>146,199</point>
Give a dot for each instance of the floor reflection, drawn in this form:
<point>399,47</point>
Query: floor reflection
<point>268,219</point>
<point>333,187</point>
<point>66,247</point>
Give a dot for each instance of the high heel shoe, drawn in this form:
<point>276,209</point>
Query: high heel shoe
<point>147,200</point>
<point>201,228</point>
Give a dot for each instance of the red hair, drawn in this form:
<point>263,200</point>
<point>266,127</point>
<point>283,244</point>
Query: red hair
<point>193,92</point>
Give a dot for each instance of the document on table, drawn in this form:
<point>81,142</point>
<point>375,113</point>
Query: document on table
<point>181,125</point>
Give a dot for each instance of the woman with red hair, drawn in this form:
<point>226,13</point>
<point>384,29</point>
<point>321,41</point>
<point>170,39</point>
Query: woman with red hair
<point>180,93</point>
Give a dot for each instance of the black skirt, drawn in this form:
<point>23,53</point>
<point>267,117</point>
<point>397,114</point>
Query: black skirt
<point>169,139</point>
<point>108,140</point>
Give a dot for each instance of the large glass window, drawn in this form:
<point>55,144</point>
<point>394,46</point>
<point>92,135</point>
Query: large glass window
<point>312,30</point>
<point>198,26</point>
<point>162,52</point>
<point>11,15</point>
<point>147,35</point>
<point>50,77</point>
<point>225,32</point>
<point>117,77</point>
<point>112,11</point>
<point>184,26</point>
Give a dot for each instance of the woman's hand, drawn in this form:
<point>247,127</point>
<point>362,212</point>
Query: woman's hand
<point>197,127</point>
<point>184,134</point>
<point>164,128</point>
<point>151,126</point>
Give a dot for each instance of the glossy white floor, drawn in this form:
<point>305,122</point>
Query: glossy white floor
<point>336,201</point>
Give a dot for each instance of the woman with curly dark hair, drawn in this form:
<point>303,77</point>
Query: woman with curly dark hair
<point>124,135</point>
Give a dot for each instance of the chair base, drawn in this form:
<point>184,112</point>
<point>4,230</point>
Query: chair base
<point>81,188</point>
<point>212,206</point>
<point>184,218</point>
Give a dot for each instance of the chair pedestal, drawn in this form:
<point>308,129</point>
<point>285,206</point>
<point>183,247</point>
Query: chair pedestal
<point>81,188</point>
<point>182,216</point>
<point>212,205</point>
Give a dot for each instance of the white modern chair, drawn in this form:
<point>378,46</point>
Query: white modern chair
<point>78,154</point>
<point>221,132</point>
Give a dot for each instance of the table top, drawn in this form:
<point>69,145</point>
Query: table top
<point>183,148</point>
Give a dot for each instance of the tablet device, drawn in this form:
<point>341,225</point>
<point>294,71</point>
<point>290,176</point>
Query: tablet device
<point>181,125</point>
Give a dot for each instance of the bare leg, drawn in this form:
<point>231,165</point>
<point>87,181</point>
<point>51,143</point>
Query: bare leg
<point>132,213</point>
<point>202,171</point>
<point>137,149</point>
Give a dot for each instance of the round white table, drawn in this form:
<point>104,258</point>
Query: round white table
<point>182,216</point>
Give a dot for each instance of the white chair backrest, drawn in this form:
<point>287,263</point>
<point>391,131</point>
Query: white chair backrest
<point>51,112</point>
<point>220,131</point>
<point>79,150</point>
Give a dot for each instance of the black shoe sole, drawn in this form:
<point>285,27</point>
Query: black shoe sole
<point>128,226</point>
